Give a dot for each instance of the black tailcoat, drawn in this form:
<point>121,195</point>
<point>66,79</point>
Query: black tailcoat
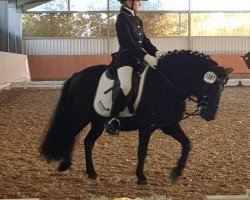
<point>134,44</point>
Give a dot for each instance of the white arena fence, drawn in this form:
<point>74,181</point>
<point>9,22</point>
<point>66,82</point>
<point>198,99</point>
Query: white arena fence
<point>106,46</point>
<point>13,68</point>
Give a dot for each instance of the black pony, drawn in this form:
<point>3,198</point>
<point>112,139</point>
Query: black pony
<point>180,75</point>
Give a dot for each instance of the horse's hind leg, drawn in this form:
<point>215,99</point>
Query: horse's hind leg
<point>66,162</point>
<point>177,133</point>
<point>89,142</point>
<point>74,129</point>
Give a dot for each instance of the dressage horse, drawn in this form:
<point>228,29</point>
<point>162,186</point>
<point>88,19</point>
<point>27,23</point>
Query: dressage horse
<point>180,75</point>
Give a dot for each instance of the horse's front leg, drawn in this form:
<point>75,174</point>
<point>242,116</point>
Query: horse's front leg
<point>89,142</point>
<point>144,137</point>
<point>178,134</point>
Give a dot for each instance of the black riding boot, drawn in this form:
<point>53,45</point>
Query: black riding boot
<point>113,126</point>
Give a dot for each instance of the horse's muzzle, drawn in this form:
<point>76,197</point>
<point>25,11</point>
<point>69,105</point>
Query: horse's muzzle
<point>208,114</point>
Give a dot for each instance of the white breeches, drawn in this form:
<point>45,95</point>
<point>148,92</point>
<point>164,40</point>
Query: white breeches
<point>125,77</point>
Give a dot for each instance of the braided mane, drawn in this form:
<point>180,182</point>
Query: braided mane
<point>196,53</point>
<point>179,58</point>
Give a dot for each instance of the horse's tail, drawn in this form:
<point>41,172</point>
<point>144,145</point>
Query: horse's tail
<point>57,142</point>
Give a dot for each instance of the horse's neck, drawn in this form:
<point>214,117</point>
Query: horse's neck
<point>185,71</point>
<point>184,82</point>
<point>160,95</point>
<point>178,84</point>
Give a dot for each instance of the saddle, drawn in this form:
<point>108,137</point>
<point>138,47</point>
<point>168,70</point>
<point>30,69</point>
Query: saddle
<point>107,86</point>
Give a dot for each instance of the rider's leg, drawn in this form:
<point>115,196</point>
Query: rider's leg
<point>120,99</point>
<point>125,78</point>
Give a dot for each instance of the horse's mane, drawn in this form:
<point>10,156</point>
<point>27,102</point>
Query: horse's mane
<point>180,58</point>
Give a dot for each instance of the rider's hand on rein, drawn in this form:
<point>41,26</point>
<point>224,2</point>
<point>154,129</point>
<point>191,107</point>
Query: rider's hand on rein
<point>151,60</point>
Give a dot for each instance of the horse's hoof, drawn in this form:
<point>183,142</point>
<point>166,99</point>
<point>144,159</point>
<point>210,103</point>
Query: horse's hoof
<point>142,181</point>
<point>63,167</point>
<point>175,174</point>
<point>92,176</point>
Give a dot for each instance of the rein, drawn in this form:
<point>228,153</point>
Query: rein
<point>165,79</point>
<point>201,100</point>
<point>194,113</point>
<point>201,105</point>
<point>187,115</point>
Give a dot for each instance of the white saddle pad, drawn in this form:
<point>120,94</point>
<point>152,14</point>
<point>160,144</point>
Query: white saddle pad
<point>103,102</point>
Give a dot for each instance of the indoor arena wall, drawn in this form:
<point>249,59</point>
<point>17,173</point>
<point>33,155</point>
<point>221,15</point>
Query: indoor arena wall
<point>59,58</point>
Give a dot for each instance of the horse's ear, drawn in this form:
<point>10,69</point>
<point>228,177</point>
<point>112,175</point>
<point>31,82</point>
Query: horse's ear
<point>228,71</point>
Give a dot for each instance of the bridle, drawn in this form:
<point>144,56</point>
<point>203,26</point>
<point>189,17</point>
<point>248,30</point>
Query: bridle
<point>201,101</point>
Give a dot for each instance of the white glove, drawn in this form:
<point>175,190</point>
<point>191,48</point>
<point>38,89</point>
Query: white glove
<point>159,54</point>
<point>151,60</point>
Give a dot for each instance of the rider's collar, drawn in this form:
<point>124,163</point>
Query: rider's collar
<point>130,10</point>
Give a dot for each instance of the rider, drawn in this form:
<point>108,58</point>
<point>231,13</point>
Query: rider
<point>134,47</point>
